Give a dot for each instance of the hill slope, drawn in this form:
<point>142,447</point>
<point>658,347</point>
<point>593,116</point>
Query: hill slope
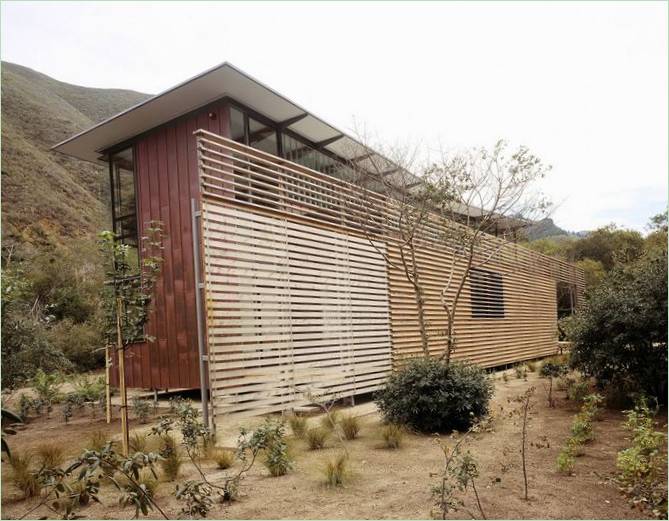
<point>47,196</point>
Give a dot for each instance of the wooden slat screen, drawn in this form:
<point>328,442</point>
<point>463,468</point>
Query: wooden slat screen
<point>259,206</point>
<point>293,309</point>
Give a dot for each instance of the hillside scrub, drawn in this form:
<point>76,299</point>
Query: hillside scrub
<point>432,396</point>
<point>50,311</point>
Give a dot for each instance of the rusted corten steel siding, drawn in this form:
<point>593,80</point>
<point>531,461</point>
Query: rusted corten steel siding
<point>166,180</point>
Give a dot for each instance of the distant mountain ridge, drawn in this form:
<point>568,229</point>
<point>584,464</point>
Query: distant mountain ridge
<point>47,196</point>
<point>547,228</point>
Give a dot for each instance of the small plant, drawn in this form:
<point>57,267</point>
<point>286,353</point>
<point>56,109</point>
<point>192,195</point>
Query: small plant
<point>138,441</point>
<point>50,455</point>
<point>564,383</point>
<point>224,458</point>
<point>460,471</point>
<point>171,462</point>
<point>521,371</point>
<point>525,404</point>
<point>575,446</point>
<point>89,389</point>
<point>276,453</point>
<point>578,390</point>
<point>330,419</point>
<point>97,440</point>
<point>298,425</point>
<point>316,437</point>
<point>22,474</point>
<point>47,387</point>
<point>392,435</point>
<point>505,377</point>
<point>553,368</point>
<point>197,496</point>
<point>336,470</point>
<point>592,406</point>
<point>581,429</point>
<point>73,402</point>
<point>642,466</point>
<point>141,408</point>
<point>531,365</point>
<point>350,426</point>
<point>565,461</point>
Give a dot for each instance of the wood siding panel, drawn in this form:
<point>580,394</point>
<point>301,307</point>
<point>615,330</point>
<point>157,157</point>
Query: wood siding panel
<point>167,179</point>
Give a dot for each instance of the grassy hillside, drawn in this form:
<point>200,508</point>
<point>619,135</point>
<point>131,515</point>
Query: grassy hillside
<point>49,198</point>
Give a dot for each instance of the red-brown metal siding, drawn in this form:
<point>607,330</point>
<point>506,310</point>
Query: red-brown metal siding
<point>166,180</point>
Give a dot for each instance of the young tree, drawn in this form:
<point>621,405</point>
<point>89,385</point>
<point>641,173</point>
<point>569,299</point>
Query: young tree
<point>127,298</point>
<point>479,194</point>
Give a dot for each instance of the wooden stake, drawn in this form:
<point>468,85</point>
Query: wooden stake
<point>125,435</point>
<point>108,383</point>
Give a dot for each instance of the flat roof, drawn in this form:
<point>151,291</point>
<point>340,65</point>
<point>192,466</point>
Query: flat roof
<point>218,82</point>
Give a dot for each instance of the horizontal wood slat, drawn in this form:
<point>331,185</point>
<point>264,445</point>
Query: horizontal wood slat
<point>308,313</point>
<point>298,298</point>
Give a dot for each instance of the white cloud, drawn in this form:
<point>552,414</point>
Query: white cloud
<point>583,84</point>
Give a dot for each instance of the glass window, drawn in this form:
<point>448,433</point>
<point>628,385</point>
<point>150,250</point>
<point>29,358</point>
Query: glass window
<point>487,294</point>
<point>124,210</point>
<point>262,137</point>
<point>566,299</point>
<point>237,127</point>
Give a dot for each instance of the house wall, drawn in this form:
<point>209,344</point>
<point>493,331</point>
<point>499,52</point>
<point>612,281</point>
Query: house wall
<point>166,180</point>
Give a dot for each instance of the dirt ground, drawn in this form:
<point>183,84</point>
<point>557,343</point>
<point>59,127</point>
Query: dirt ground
<point>393,484</point>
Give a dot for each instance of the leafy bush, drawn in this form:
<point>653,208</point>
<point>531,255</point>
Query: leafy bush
<point>89,389</point>
<point>350,426</point>
<point>336,470</point>
<point>581,429</point>
<point>316,437</point>
<point>392,435</point>
<point>47,386</point>
<point>553,369</point>
<point>620,333</point>
<point>432,396</point>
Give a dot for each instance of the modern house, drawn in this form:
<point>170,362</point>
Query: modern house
<point>269,290</point>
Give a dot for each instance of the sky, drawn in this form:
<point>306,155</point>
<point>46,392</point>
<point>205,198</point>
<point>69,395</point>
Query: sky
<point>583,85</point>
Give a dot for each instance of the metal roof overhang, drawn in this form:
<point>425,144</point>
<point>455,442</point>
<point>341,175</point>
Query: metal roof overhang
<point>220,81</point>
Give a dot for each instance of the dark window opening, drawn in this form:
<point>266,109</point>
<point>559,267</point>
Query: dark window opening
<point>487,294</point>
<point>566,299</point>
<point>124,202</point>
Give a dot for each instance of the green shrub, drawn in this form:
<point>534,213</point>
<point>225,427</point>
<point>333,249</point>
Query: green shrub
<point>89,389</point>
<point>316,437</point>
<point>591,406</point>
<point>141,408</point>
<point>336,471</point>
<point>581,429</point>
<point>620,332</point>
<point>575,446</point>
<point>431,396</point>
<point>298,425</point>
<point>642,466</point>
<point>350,426</point>
<point>47,386</point>
<point>565,461</point>
<point>578,390</point>
<point>392,435</point>
<point>551,368</point>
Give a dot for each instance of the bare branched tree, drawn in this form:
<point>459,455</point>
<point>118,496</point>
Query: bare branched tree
<point>482,199</point>
<point>469,204</point>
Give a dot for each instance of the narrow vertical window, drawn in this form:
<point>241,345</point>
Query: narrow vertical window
<point>124,200</point>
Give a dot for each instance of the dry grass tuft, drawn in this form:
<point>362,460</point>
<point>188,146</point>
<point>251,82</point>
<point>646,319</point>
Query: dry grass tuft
<point>22,474</point>
<point>336,471</point>
<point>350,426</point>
<point>224,458</point>
<point>139,441</point>
<point>316,437</point>
<point>330,420</point>
<point>50,455</point>
<point>97,441</point>
<point>392,435</point>
<point>298,425</point>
